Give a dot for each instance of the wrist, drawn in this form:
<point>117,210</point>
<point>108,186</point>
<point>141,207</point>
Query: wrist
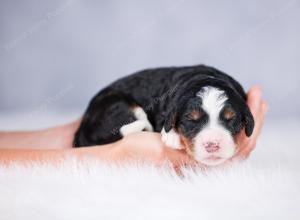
<point>107,153</point>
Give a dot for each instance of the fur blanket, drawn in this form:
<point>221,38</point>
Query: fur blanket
<point>267,186</point>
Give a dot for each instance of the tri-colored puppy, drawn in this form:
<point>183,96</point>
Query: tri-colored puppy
<point>197,107</point>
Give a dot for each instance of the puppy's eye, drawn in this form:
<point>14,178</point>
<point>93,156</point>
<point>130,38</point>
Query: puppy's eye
<point>195,115</point>
<point>228,114</point>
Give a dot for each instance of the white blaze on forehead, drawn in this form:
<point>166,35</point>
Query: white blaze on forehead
<point>213,100</point>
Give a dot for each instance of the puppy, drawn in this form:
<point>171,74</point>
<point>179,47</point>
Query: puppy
<point>197,107</point>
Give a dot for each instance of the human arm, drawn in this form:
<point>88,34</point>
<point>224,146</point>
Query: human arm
<point>57,143</point>
<point>143,146</point>
<point>60,137</point>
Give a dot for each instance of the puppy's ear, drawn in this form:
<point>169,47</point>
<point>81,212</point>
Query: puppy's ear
<point>249,121</point>
<point>177,98</point>
<point>170,119</point>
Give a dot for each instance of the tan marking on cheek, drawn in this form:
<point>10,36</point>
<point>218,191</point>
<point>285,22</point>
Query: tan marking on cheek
<point>228,114</point>
<point>237,140</point>
<point>188,145</point>
<point>195,115</point>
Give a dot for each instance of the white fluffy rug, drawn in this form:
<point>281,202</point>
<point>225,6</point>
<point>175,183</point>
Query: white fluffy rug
<point>267,186</point>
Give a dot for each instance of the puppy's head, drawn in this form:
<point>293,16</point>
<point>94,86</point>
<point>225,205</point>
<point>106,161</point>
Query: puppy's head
<point>208,121</point>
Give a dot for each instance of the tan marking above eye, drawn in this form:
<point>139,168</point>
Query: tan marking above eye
<point>195,115</point>
<point>228,114</point>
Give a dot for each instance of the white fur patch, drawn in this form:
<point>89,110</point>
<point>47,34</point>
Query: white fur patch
<point>213,101</point>
<point>142,123</point>
<point>171,139</point>
<point>140,114</point>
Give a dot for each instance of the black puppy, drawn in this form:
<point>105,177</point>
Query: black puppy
<point>197,107</point>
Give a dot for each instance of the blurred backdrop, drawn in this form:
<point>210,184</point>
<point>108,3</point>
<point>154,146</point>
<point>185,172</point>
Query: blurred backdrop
<point>55,55</point>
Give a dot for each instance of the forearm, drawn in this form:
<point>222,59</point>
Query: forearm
<point>30,139</point>
<point>143,146</point>
<point>52,138</point>
<point>55,156</point>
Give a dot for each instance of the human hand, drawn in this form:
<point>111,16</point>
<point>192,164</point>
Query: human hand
<point>147,146</point>
<point>259,108</point>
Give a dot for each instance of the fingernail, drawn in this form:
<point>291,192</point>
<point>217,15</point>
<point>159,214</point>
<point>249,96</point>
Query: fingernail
<point>265,107</point>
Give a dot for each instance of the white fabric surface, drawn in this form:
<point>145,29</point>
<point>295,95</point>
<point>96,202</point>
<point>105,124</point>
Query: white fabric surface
<point>267,186</point>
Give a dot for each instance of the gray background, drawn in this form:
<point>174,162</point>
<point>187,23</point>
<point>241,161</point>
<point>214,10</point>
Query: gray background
<point>55,55</point>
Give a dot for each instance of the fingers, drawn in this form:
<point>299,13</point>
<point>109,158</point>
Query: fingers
<point>179,157</point>
<point>185,159</point>
<point>254,103</point>
<point>258,108</point>
<point>254,99</point>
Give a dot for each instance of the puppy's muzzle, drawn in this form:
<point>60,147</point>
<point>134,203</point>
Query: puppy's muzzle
<point>212,147</point>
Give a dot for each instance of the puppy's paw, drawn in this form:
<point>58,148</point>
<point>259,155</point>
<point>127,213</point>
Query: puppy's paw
<point>140,114</point>
<point>171,139</point>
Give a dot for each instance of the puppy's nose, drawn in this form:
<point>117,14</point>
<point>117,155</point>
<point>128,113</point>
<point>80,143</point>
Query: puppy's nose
<point>211,147</point>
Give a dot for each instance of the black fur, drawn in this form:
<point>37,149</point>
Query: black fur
<point>166,95</point>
